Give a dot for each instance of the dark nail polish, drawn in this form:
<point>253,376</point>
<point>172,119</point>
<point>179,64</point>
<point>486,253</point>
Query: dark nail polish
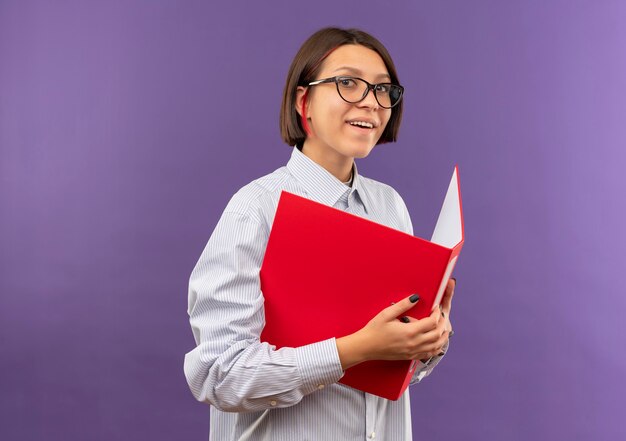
<point>414,298</point>
<point>404,319</point>
<point>443,314</point>
<point>441,354</point>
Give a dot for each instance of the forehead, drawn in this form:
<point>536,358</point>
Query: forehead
<point>355,58</point>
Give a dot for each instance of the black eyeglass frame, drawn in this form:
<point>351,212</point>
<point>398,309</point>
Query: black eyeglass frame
<point>370,86</point>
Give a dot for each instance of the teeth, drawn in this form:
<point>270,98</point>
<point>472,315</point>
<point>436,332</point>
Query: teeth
<point>362,124</point>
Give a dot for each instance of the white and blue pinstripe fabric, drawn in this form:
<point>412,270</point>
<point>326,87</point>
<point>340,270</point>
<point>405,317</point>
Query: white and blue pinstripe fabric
<point>291,394</point>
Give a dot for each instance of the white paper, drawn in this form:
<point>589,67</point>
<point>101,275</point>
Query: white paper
<point>449,229</point>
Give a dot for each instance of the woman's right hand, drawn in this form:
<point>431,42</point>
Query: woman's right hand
<point>386,337</point>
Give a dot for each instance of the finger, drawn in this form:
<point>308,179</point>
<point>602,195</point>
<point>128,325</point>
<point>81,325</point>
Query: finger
<point>434,331</point>
<point>442,328</point>
<point>449,293</point>
<point>433,353</point>
<point>436,315</point>
<point>438,346</point>
<point>443,339</point>
<point>450,286</point>
<point>399,308</point>
<point>449,327</point>
<point>424,325</point>
<point>429,338</point>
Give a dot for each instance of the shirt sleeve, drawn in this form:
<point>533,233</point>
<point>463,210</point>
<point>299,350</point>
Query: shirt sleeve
<point>423,370</point>
<point>230,368</point>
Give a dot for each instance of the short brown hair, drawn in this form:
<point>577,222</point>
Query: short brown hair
<point>306,65</point>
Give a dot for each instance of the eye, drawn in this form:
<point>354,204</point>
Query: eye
<point>383,88</point>
<point>347,82</point>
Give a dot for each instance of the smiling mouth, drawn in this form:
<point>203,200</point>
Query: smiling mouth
<point>361,124</point>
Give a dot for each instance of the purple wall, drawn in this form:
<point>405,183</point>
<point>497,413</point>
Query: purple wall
<point>125,127</point>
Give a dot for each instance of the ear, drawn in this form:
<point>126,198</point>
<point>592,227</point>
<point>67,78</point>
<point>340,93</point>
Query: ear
<point>300,92</point>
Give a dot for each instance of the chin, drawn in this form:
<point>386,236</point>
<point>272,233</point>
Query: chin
<point>362,155</point>
<point>361,151</point>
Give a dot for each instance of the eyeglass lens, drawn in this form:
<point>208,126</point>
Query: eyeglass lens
<point>354,90</point>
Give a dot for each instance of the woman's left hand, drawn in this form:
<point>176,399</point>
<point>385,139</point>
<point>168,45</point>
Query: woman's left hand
<point>445,307</point>
<point>446,302</point>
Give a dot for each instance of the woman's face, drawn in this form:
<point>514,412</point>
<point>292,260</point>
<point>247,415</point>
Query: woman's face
<point>332,136</point>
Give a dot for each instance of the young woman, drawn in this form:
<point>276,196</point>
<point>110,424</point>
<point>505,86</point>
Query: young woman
<point>342,97</point>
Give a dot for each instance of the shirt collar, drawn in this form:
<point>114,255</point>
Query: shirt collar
<point>359,187</point>
<point>319,183</point>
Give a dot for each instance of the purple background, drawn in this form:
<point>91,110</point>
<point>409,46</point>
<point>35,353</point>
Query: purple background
<point>125,127</point>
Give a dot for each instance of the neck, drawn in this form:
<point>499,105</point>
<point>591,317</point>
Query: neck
<point>337,165</point>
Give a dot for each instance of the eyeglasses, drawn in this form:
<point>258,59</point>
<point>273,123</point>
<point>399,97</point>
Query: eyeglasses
<point>354,90</point>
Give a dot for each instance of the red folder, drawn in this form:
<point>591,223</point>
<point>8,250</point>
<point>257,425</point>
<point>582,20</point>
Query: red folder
<point>327,272</point>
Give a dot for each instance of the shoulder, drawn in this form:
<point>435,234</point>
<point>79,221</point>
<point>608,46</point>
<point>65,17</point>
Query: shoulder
<point>258,199</point>
<point>382,194</point>
<point>386,205</point>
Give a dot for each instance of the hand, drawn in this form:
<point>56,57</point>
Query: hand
<point>445,307</point>
<point>446,301</point>
<point>387,338</point>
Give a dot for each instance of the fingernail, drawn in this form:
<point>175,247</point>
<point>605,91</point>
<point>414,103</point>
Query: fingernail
<point>404,319</point>
<point>451,334</point>
<point>441,354</point>
<point>443,314</point>
<point>454,278</point>
<point>414,298</point>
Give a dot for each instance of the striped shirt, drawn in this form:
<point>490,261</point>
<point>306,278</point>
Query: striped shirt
<point>257,392</point>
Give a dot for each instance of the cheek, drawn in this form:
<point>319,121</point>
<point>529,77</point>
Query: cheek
<point>331,116</point>
<point>386,117</point>
<point>384,123</point>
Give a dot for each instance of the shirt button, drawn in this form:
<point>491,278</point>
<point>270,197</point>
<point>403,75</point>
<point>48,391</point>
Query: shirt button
<point>273,402</point>
<point>320,386</point>
<point>373,435</point>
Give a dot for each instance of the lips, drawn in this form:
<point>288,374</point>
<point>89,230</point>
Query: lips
<point>363,123</point>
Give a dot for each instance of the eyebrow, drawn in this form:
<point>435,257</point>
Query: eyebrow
<point>358,72</point>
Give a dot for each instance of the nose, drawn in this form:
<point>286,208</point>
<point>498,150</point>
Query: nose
<point>370,100</point>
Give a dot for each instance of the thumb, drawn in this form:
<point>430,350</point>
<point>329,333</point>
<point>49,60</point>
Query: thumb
<point>401,307</point>
<point>449,293</point>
